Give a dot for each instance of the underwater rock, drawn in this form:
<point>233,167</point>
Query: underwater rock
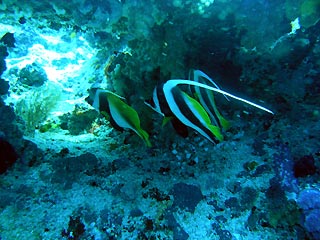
<point>223,234</point>
<point>22,20</point>
<point>283,166</point>
<point>136,212</point>
<point>129,190</point>
<point>8,155</point>
<point>120,163</point>
<point>186,196</point>
<point>149,225</point>
<point>156,194</point>
<point>309,201</point>
<point>280,210</point>
<point>312,223</point>
<point>10,131</point>
<point>3,55</point>
<point>67,169</point>
<point>8,197</point>
<point>304,166</point>
<point>31,155</point>
<point>75,229</point>
<point>258,145</point>
<point>275,193</point>
<point>3,51</point>
<point>234,187</point>
<point>248,197</point>
<point>262,169</point>
<point>9,126</point>
<point>4,86</point>
<point>8,39</point>
<point>232,203</point>
<point>33,75</point>
<point>78,121</point>
<point>254,219</point>
<point>178,231</point>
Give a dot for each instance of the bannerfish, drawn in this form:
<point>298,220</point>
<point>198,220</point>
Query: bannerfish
<point>170,100</point>
<point>119,113</point>
<point>160,105</point>
<point>206,98</point>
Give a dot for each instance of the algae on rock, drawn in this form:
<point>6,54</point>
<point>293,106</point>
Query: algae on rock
<point>35,106</point>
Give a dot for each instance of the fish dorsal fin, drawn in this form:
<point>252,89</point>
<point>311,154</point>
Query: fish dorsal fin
<point>174,82</point>
<point>206,98</point>
<point>191,113</point>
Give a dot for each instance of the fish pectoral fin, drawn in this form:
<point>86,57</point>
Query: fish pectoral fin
<point>144,135</point>
<point>166,120</point>
<point>126,117</point>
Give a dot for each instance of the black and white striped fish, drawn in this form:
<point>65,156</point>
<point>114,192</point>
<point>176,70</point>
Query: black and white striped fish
<point>170,100</point>
<point>120,114</point>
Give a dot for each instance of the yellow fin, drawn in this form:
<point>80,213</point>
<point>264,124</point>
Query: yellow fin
<point>216,132</point>
<point>125,116</point>
<point>204,117</point>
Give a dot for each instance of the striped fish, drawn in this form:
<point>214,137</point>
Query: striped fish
<point>169,100</point>
<point>120,114</point>
<point>183,111</point>
<point>206,98</point>
<point>159,104</point>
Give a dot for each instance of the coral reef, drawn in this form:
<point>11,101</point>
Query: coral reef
<point>67,174</point>
<point>309,201</point>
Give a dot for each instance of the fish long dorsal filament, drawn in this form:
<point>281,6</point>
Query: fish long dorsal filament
<point>175,82</point>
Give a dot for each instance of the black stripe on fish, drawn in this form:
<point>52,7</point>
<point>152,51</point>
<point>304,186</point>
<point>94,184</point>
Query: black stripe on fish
<point>186,112</point>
